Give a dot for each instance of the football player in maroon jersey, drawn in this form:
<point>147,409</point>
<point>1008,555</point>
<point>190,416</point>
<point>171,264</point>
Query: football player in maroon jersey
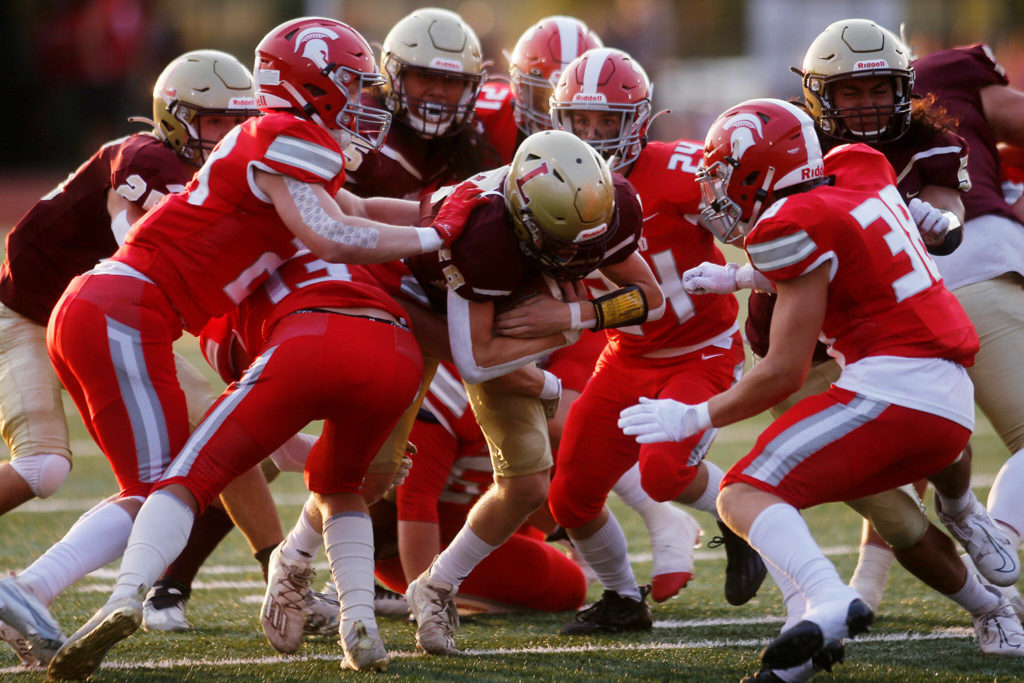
<point>197,255</point>
<point>985,273</point>
<point>197,98</point>
<point>604,97</point>
<point>842,250</point>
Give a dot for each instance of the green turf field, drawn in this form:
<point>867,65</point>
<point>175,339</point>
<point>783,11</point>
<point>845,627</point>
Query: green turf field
<point>697,636</point>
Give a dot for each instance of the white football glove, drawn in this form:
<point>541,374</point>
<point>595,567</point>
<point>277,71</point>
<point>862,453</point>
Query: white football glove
<point>711,278</point>
<point>932,223</point>
<point>654,420</point>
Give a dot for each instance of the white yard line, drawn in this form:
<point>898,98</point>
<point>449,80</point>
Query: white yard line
<point>186,663</point>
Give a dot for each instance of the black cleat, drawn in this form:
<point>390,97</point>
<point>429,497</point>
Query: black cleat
<point>806,641</point>
<point>744,568</point>
<point>762,676</point>
<point>833,653</point>
<point>612,614</point>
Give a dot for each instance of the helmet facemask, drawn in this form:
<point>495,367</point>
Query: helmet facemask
<point>431,117</point>
<point>621,149</point>
<point>532,98</point>
<point>721,215</point>
<point>367,126</point>
<point>871,123</point>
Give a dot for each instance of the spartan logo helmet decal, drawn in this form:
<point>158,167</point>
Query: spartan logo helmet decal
<point>311,43</point>
<point>742,138</point>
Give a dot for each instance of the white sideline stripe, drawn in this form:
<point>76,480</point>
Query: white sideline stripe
<point>902,636</point>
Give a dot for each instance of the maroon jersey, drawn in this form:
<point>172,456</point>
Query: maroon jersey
<point>885,294</point>
<point>672,242</point>
<point>408,166</point>
<point>210,246</point>
<point>495,108</point>
<point>922,156</point>
<point>956,77</point>
<point>486,262</point>
<point>68,231</point>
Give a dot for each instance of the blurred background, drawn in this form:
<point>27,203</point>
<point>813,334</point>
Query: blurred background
<point>76,69</point>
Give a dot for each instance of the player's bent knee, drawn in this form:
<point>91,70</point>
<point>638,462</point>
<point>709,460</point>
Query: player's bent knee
<point>43,472</point>
<point>896,515</point>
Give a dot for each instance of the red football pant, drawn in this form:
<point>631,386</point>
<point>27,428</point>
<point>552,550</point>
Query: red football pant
<point>594,453</point>
<point>840,446</point>
<point>111,339</point>
<point>357,375</point>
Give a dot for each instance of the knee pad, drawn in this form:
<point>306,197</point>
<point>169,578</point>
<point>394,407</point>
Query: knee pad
<point>43,472</point>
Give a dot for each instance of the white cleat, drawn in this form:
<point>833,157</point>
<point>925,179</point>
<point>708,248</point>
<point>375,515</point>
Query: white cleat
<point>999,631</point>
<point>672,553</point>
<point>364,650</point>
<point>432,605</point>
<point>21,647</point>
<point>83,652</point>
<point>164,609</point>
<point>991,550</point>
<point>24,613</point>
<point>283,616</point>
<point>322,614</point>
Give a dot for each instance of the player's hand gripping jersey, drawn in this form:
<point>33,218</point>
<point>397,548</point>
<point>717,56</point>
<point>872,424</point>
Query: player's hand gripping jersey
<point>886,297</point>
<point>208,247</point>
<point>487,264</point>
<point>68,231</point>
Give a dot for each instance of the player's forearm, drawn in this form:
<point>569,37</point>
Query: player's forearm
<point>761,388</point>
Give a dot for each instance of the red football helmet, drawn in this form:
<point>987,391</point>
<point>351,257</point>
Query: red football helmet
<point>755,153</point>
<point>536,62</point>
<point>607,80</point>
<point>320,67</point>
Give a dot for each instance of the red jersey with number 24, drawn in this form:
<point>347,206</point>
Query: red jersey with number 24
<point>885,294</point>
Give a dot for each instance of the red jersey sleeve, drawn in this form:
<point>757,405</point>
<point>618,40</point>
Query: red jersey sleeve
<point>304,151</point>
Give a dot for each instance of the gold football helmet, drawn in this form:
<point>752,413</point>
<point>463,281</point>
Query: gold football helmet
<point>434,43</point>
<point>858,48</point>
<point>198,84</point>
<point>561,197</point>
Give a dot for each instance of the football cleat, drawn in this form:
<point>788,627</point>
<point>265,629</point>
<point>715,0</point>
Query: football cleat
<point>612,614</point>
<point>807,638</point>
<point>83,652</point>
<point>991,550</point>
<point>999,631</point>
<point>164,609</point>
<point>322,613</point>
<point>24,613</point>
<point>21,647</point>
<point>432,605</point>
<point>389,603</point>
<point>283,615</point>
<point>833,653</point>
<point>672,565</point>
<point>364,650</point>
<point>744,568</point>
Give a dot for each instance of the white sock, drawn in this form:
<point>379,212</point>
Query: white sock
<point>606,553</point>
<point>348,539</point>
<point>976,597</point>
<point>456,561</point>
<point>871,573</point>
<point>303,541</point>
<point>658,517</point>
<point>1004,501</point>
<point>706,502</point>
<point>160,533</point>
<point>951,507</point>
<point>792,597</point>
<point>98,538</point>
<point>780,534</point>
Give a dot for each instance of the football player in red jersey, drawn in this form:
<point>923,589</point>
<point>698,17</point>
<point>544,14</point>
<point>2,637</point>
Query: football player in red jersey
<point>267,188</point>
<point>691,352</point>
<point>847,260</point>
<point>985,273</point>
<point>512,111</point>
<point>432,68</point>
<point>197,98</point>
<point>523,234</point>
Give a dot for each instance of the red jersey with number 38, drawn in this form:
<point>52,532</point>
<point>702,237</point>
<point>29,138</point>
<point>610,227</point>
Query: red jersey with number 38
<point>671,242</point>
<point>211,245</point>
<point>885,294</point>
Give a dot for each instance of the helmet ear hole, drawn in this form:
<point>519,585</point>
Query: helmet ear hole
<point>750,179</point>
